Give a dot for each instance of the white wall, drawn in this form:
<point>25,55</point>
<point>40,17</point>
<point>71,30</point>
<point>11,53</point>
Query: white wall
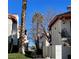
<point>61,52</point>
<point>44,42</point>
<point>56,33</point>
<point>66,26</point>
<point>9,29</point>
<point>56,30</point>
<point>14,33</point>
<point>12,30</point>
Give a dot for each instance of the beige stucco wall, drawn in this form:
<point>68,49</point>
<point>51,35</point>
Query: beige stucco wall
<point>14,33</point>
<point>12,30</point>
<point>67,26</point>
<point>55,30</point>
<point>9,27</point>
<point>56,33</point>
<point>43,42</point>
<point>57,39</point>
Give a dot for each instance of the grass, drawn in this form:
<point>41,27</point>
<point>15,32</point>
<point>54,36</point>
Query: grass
<point>17,56</point>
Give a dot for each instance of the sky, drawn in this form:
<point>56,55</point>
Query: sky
<point>42,6</point>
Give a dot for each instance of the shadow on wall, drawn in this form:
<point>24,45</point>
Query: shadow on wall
<point>11,47</point>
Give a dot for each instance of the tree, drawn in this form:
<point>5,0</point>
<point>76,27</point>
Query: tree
<point>40,26</point>
<point>37,20</point>
<point>47,17</point>
<point>22,33</point>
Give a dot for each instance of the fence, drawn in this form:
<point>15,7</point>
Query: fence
<point>57,52</point>
<point>49,51</point>
<point>54,51</point>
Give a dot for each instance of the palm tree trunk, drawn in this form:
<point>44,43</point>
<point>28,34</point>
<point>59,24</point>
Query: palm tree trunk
<point>22,33</point>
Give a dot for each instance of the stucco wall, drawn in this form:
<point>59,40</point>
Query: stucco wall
<point>9,30</point>
<point>44,42</point>
<point>9,27</point>
<point>66,25</point>
<point>57,39</point>
<point>55,31</point>
<point>14,33</point>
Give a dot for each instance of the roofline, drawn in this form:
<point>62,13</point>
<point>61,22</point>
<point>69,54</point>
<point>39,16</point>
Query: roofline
<point>13,17</point>
<point>66,15</point>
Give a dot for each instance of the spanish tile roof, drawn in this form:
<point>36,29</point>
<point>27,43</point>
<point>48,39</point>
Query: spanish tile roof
<point>12,17</point>
<point>66,15</point>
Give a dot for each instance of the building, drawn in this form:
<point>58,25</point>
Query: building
<point>61,23</point>
<point>60,30</point>
<point>43,40</point>
<point>44,44</point>
<point>12,32</point>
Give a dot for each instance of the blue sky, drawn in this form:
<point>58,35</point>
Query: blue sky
<point>42,6</point>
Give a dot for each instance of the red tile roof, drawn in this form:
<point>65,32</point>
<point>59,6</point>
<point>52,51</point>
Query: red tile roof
<point>66,15</point>
<point>12,17</point>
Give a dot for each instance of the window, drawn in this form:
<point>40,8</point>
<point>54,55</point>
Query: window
<point>64,33</point>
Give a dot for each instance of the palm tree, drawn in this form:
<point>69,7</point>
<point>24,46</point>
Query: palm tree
<point>21,41</point>
<point>38,20</point>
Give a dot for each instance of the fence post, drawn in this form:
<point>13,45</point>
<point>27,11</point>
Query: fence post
<point>58,52</point>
